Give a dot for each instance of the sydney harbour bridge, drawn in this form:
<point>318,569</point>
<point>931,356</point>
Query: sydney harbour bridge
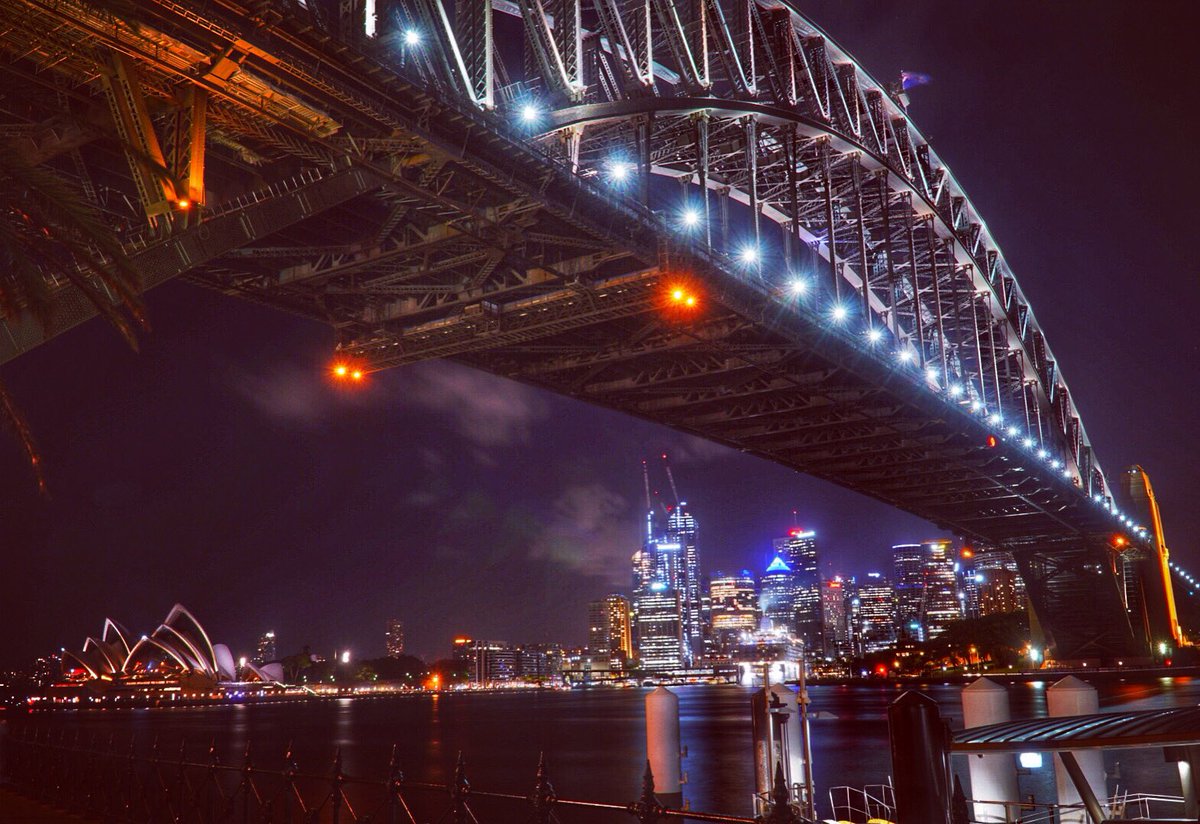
<point>700,212</point>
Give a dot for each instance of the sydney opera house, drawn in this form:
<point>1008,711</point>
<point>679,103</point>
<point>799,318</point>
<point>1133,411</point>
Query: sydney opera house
<point>176,660</point>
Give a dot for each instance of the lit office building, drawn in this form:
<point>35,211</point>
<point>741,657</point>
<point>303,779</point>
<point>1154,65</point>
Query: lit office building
<point>777,598</point>
<point>926,589</point>
<point>941,602</point>
<point>908,566</point>
<point>681,532</point>
<point>834,621</point>
<point>799,553</point>
<point>733,610</point>
<point>875,618</point>
<point>661,646</point>
<point>266,652</point>
<point>394,637</point>
<point>999,592</point>
<point>996,559</point>
<point>609,630</point>
<point>487,662</point>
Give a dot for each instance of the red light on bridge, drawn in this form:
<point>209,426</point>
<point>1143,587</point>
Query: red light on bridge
<point>1119,541</point>
<point>680,296</point>
<point>992,442</point>
<point>343,371</point>
<point>967,552</point>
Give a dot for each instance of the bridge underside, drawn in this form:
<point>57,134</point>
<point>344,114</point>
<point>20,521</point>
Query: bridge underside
<point>419,228</point>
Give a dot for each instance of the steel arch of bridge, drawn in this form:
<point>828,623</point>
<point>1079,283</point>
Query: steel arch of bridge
<point>404,200</point>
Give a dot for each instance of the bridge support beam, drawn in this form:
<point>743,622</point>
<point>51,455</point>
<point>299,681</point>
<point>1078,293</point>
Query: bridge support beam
<point>1074,587</point>
<point>193,247</point>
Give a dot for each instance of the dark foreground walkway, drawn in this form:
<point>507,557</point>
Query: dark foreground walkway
<point>16,809</point>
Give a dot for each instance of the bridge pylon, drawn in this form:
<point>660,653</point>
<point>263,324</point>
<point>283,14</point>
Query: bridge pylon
<point>1146,574</point>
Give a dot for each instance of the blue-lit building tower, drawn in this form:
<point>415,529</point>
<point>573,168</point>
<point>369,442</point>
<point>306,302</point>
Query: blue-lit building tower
<point>798,551</point>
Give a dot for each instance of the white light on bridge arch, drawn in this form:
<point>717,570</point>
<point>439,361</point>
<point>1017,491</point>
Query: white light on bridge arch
<point>1027,443</point>
<point>840,313</point>
<point>906,356</point>
<point>619,170</point>
<point>530,113</point>
<point>798,286</point>
<point>748,255</point>
<point>1011,432</point>
<point>874,334</point>
<point>994,419</point>
<point>691,218</point>
<point>956,390</point>
<point>412,37</point>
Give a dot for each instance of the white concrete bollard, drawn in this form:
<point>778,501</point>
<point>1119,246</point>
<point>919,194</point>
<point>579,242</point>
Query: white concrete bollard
<point>1070,696</point>
<point>662,740</point>
<point>993,776</point>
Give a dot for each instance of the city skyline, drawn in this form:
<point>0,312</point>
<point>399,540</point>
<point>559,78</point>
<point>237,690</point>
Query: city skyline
<point>255,437</point>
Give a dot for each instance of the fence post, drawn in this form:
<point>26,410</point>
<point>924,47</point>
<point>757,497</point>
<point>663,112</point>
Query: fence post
<point>543,797</point>
<point>289,783</point>
<point>459,791</point>
<point>179,781</point>
<point>213,785</point>
<point>646,809</point>
<point>247,780</point>
<point>395,777</point>
<point>131,776</point>
<point>336,797</point>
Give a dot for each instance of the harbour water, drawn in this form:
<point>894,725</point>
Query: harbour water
<point>593,740</point>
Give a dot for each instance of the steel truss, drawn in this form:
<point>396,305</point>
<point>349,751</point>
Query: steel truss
<point>509,191</point>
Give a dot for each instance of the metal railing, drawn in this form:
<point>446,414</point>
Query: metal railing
<point>111,782</point>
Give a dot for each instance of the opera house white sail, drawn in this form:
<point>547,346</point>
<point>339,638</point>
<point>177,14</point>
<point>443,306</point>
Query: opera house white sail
<point>178,652</point>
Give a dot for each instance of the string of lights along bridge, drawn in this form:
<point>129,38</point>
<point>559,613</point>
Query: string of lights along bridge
<point>720,223</point>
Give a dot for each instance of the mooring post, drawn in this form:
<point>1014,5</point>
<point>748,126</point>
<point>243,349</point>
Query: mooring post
<point>920,760</point>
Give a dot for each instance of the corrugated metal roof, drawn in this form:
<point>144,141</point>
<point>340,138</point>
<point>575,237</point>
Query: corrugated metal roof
<point>1140,728</point>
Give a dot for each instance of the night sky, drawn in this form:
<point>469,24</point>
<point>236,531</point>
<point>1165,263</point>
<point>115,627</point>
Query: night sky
<point>219,468</point>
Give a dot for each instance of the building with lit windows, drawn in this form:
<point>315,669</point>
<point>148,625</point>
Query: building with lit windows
<point>266,652</point>
<point>926,589</point>
<point>610,630</point>
<point>941,603</point>
<point>661,644</point>
<point>995,559</point>
<point>733,610</point>
<point>999,592</point>
<point>394,637</point>
<point>777,598</point>
<point>487,662</point>
<point>799,552</point>
<point>681,532</point>
<point>835,623</point>
<point>875,614</point>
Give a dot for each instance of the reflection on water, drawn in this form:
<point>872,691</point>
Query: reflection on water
<point>594,739</point>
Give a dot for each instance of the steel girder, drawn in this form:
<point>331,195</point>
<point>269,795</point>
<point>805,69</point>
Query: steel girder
<point>510,248</point>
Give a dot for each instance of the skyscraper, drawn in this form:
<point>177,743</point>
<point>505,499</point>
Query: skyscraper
<point>734,608</point>
<point>394,637</point>
<point>941,602</point>
<point>609,630</point>
<point>926,589</point>
<point>681,531</point>
<point>661,645</point>
<point>265,652</point>
<point>799,553</point>
<point>777,597</point>
<point>876,614</point>
<point>834,623</point>
<point>998,592</point>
